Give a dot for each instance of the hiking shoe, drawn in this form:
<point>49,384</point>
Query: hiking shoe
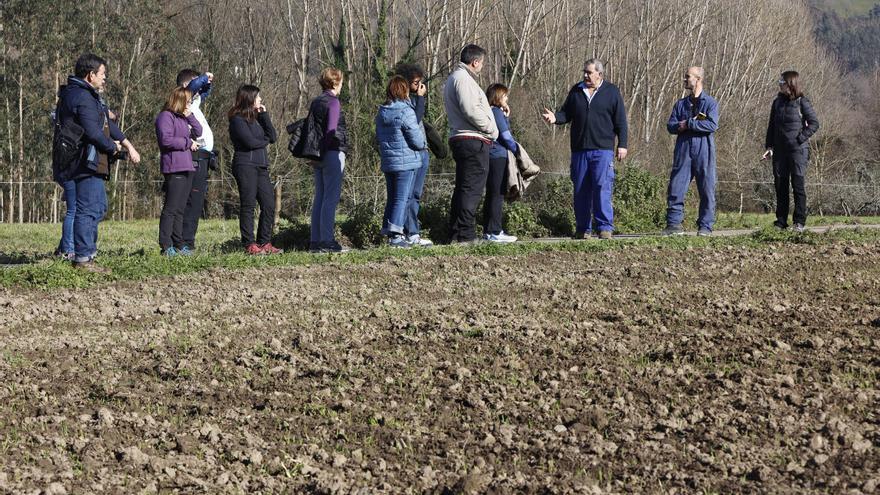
<point>673,230</point>
<point>704,232</point>
<point>254,249</point>
<point>419,241</point>
<point>334,247</point>
<point>170,252</point>
<point>605,234</point>
<point>780,225</point>
<point>268,248</point>
<point>185,251</point>
<point>500,238</point>
<point>798,227</point>
<point>581,235</point>
<point>91,267</point>
<point>399,241</point>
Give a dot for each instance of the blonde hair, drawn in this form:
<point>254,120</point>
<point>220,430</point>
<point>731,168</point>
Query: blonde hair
<point>177,100</point>
<point>330,78</point>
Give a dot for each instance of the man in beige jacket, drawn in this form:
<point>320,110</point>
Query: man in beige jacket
<point>472,129</point>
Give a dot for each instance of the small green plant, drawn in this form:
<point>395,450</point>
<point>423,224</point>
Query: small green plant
<point>520,220</point>
<point>639,204</point>
<point>363,226</point>
<point>434,218</point>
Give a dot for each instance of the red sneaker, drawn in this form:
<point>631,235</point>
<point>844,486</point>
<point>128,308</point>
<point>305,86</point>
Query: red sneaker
<point>268,248</point>
<point>254,249</point>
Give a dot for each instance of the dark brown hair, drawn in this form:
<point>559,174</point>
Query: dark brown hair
<point>495,92</point>
<point>177,100</point>
<point>793,81</point>
<point>244,103</point>
<point>398,89</point>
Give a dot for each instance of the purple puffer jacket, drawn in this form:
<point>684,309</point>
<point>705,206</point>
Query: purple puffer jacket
<point>175,134</point>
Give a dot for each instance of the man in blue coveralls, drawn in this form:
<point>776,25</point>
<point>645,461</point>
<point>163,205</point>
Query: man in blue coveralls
<point>597,114</point>
<point>694,120</point>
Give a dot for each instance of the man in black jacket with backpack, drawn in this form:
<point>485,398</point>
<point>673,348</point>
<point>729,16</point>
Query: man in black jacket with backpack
<point>80,104</point>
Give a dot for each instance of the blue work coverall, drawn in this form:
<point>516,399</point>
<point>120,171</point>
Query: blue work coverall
<point>694,157</point>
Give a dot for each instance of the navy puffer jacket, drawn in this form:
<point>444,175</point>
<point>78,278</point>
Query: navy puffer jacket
<point>400,136</point>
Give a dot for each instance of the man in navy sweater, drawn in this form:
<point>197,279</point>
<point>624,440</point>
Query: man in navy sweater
<point>597,114</point>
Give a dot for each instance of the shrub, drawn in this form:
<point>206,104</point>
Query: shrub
<point>434,218</point>
<point>552,204</point>
<point>363,226</point>
<point>639,203</point>
<point>520,220</point>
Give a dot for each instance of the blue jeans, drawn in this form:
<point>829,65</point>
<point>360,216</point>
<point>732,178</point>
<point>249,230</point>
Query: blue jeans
<point>66,244</point>
<point>328,188</point>
<point>91,205</point>
<point>411,226</point>
<point>592,175</point>
<point>399,187</point>
<point>693,159</point>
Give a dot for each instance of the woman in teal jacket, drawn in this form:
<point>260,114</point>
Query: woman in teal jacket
<point>401,142</point>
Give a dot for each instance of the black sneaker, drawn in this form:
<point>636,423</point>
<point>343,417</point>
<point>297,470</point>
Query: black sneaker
<point>673,230</point>
<point>335,247</point>
<point>780,225</point>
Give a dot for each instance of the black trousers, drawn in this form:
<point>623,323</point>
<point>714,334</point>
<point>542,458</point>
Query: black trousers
<point>254,187</point>
<point>496,186</point>
<point>176,187</point>
<point>791,168</point>
<point>195,204</point>
<point>471,170</point>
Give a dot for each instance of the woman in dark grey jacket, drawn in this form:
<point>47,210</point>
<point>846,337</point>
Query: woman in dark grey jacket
<point>792,122</point>
<point>251,131</point>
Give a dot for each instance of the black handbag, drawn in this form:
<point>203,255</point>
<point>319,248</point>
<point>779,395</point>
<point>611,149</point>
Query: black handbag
<point>436,143</point>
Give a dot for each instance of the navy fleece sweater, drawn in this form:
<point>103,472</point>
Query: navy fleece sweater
<point>595,124</point>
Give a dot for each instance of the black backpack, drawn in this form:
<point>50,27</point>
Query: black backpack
<point>302,142</point>
<point>66,146</point>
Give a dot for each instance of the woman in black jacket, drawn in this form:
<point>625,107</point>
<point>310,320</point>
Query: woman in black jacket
<point>792,122</point>
<point>251,131</point>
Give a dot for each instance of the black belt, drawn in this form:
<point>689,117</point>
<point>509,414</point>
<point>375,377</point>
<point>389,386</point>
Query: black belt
<point>202,155</point>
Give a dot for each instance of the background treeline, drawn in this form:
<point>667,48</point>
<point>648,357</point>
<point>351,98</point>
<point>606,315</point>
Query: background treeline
<point>535,46</point>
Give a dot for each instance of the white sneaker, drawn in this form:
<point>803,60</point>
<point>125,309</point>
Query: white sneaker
<point>417,240</point>
<point>501,237</point>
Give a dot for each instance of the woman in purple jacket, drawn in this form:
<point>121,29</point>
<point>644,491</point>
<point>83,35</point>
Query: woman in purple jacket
<point>176,131</point>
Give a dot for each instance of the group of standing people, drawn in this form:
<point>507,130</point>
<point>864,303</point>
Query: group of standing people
<point>480,140</point>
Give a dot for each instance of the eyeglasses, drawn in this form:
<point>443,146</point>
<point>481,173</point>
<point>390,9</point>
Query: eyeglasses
<point>781,82</point>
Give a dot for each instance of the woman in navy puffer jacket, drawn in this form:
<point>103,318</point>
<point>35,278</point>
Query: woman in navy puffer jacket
<point>401,142</point>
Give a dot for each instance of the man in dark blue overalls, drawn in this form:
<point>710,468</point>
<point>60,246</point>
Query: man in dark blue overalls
<point>694,120</point>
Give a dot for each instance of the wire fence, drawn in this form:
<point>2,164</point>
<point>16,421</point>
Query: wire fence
<point>142,198</point>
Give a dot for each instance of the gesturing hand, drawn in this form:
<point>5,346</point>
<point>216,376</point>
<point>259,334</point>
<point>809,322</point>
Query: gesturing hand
<point>194,146</point>
<point>549,116</point>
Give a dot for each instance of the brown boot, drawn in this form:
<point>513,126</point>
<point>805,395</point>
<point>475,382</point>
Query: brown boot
<point>91,267</point>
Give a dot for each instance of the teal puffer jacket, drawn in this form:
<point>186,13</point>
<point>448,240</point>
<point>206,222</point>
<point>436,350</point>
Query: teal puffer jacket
<point>400,137</point>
